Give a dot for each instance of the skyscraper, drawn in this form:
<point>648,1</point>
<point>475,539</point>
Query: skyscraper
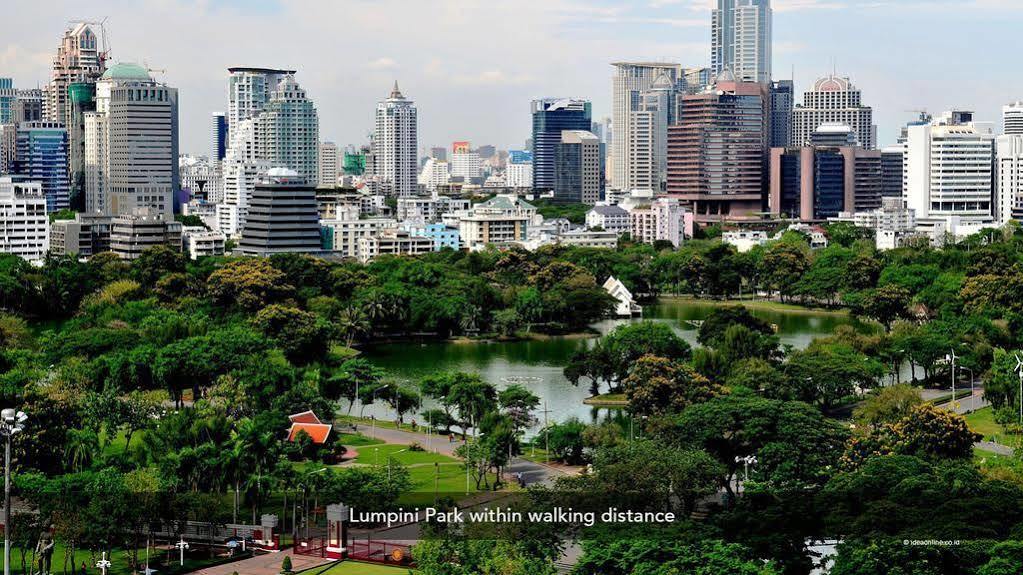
<point>131,143</point>
<point>248,91</point>
<point>891,171</point>
<point>551,116</point>
<point>81,100</point>
<point>949,168</point>
<point>1009,176</point>
<point>579,168</point>
<point>631,78</point>
<point>717,152</point>
<point>218,137</point>
<point>647,147</point>
<point>288,130</point>
<point>42,157</point>
<point>741,39</point>
<point>833,99</point>
<point>282,216</point>
<point>8,95</point>
<point>81,58</point>
<point>782,100</point>
<point>396,144</point>
<point>1012,118</point>
<point>329,167</point>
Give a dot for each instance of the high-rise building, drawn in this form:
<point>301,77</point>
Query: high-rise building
<point>466,165</point>
<point>248,92</point>
<point>833,99</point>
<point>949,168</point>
<point>1012,118</point>
<point>81,101</point>
<point>396,144</point>
<point>579,168</point>
<point>288,130</point>
<point>1009,176</point>
<point>131,143</point>
<point>439,153</point>
<point>519,172</point>
<point>551,116</point>
<point>28,107</point>
<point>42,157</point>
<point>24,225</point>
<point>782,101</point>
<point>8,95</point>
<point>354,162</point>
<point>741,39</point>
<point>647,147</point>
<point>434,173</point>
<point>218,137</point>
<point>696,80</point>
<point>891,171</point>
<point>328,165</point>
<point>460,147</point>
<point>816,183</point>
<point>81,58</point>
<point>834,134</point>
<point>717,152</point>
<point>629,80</point>
<point>282,216</point>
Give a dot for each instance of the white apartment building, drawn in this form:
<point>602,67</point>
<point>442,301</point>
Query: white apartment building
<point>396,144</point>
<point>198,242</point>
<point>429,209</point>
<point>393,242</point>
<point>248,91</point>
<point>434,173</point>
<point>610,218</point>
<point>288,131</point>
<point>24,225</point>
<point>631,78</point>
<point>1009,176</point>
<point>500,220</point>
<point>466,165</point>
<point>588,239</point>
<point>833,99</point>
<point>345,234</point>
<point>663,219</point>
<point>744,240</point>
<point>202,178</point>
<point>948,169</point>
<point>329,166</point>
<point>648,136</point>
<point>741,39</point>
<point>519,175</point>
<point>131,143</point>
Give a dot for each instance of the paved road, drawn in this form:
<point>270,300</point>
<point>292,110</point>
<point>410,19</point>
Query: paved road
<point>970,404</point>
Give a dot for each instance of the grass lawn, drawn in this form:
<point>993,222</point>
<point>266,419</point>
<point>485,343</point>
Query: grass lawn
<point>358,439</point>
<point>357,568</point>
<point>760,304</point>
<point>983,421</point>
<point>381,423</point>
<point>118,559</point>
<point>608,400</point>
<point>378,454</point>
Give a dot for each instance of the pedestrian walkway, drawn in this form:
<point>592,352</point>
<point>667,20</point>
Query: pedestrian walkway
<point>264,564</point>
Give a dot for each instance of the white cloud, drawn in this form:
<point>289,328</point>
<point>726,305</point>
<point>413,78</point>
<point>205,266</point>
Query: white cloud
<point>383,63</point>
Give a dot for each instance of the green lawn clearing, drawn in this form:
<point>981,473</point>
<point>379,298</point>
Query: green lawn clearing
<point>358,568</point>
<point>378,454</point>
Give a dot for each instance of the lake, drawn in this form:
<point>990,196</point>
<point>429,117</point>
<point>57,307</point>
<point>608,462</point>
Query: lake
<point>538,364</point>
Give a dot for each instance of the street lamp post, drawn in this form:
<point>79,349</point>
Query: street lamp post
<point>11,422</point>
<point>389,463</point>
<point>373,398</point>
<point>103,564</point>
<point>746,462</point>
<point>952,358</point>
<point>973,398</point>
<point>182,545</point>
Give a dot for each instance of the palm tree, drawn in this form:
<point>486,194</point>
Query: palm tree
<point>353,322</point>
<point>79,448</point>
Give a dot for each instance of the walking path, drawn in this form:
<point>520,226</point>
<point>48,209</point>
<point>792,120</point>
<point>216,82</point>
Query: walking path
<point>531,472</point>
<point>264,564</point>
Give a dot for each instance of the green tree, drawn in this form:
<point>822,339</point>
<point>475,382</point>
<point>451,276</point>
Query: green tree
<point>714,326</point>
<point>301,335</point>
<point>659,386</point>
<point>250,284</point>
<point>474,398</point>
<point>888,405</point>
<point>886,304</point>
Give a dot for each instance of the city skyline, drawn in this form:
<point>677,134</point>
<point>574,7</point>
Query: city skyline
<point>559,49</point>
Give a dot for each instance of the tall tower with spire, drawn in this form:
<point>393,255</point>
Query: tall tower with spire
<point>396,144</point>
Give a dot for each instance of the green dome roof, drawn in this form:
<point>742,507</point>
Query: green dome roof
<point>126,71</point>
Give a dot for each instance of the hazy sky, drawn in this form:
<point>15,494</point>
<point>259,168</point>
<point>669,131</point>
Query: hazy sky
<point>473,66</point>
